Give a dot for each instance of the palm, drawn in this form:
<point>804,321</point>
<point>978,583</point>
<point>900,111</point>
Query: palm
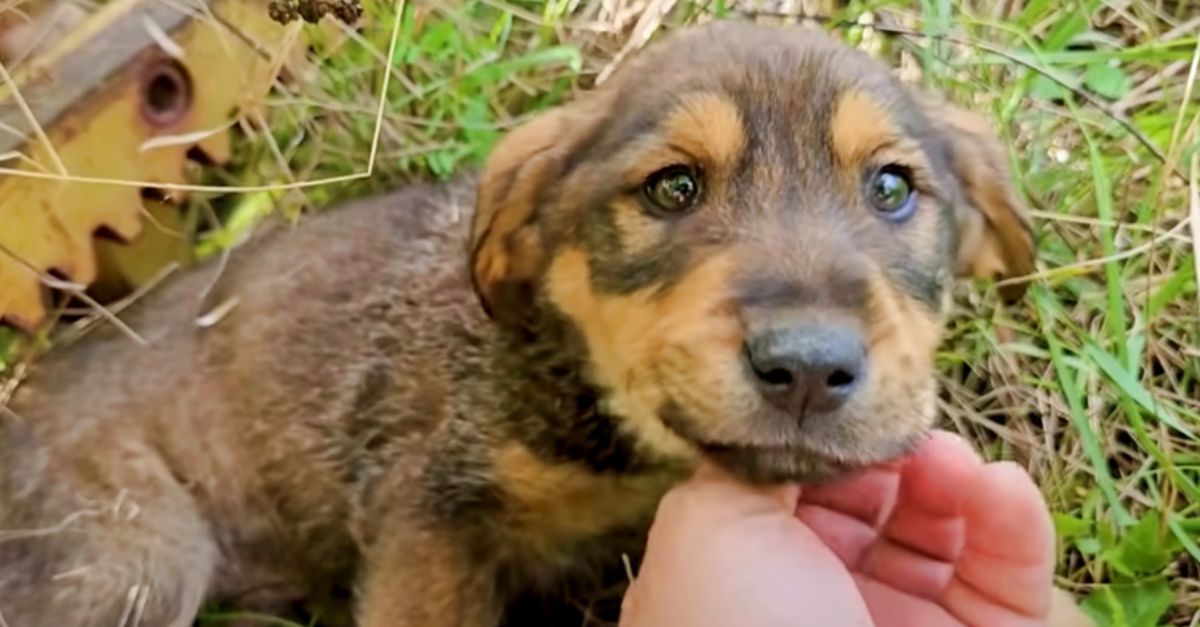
<point>941,540</point>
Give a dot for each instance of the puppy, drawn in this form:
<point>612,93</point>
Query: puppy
<point>737,248</point>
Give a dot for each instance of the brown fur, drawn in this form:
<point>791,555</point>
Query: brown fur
<point>357,421</point>
<point>996,239</point>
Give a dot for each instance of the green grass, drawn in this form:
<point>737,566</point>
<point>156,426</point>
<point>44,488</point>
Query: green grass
<point>1091,383</point>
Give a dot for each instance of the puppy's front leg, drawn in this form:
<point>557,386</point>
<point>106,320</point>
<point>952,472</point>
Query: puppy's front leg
<point>418,577</point>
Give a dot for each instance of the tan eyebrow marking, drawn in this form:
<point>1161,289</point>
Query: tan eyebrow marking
<point>860,128</point>
<point>708,126</point>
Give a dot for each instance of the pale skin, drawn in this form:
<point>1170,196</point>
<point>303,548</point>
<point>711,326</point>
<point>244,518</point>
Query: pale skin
<point>938,539</point>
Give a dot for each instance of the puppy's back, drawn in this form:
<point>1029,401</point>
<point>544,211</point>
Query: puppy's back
<point>242,436</point>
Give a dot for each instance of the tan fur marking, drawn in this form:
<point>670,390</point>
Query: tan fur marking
<point>627,334</point>
<point>859,128</point>
<point>903,330</point>
<point>1002,244</point>
<point>902,338</point>
<point>419,576</point>
<point>637,231</point>
<point>552,502</point>
<point>709,127</point>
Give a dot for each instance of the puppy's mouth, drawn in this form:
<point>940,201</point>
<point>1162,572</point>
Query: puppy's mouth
<point>778,464</point>
<point>786,462</point>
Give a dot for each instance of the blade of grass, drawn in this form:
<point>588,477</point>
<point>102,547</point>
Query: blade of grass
<point>1072,393</point>
<point>1134,390</point>
<point>1102,191</point>
<point>1185,537</point>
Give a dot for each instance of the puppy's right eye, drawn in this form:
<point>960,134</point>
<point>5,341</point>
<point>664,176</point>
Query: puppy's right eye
<point>891,193</point>
<point>673,189</point>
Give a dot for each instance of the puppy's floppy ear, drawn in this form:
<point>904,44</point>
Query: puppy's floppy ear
<point>508,247</point>
<point>995,236</point>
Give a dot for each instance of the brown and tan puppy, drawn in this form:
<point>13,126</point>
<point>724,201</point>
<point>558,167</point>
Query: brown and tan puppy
<point>738,248</point>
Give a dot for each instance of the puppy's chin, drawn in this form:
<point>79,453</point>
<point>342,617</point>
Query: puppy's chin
<point>815,454</point>
<point>778,465</point>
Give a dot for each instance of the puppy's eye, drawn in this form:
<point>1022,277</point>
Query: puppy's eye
<point>890,191</point>
<point>673,189</point>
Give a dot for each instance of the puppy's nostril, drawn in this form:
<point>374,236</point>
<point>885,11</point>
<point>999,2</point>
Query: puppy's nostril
<point>776,376</point>
<point>840,379</point>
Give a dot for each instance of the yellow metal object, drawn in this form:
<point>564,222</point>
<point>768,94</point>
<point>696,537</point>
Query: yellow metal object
<point>124,97</point>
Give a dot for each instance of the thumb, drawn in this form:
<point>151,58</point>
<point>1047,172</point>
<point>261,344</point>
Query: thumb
<point>725,552</point>
<point>693,512</point>
<point>719,484</point>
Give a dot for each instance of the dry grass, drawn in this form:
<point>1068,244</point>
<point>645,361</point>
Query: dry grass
<point>1093,383</point>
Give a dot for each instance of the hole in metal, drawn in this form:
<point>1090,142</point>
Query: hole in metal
<point>166,92</point>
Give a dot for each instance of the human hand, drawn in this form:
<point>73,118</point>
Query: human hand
<point>938,539</point>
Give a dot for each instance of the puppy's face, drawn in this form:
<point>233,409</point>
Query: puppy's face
<point>752,229</point>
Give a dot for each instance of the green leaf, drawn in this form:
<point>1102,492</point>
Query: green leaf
<point>1106,80</point>
<point>406,53</point>
<point>1066,30</point>
<point>1107,537</point>
<point>477,129</point>
<point>1088,546</point>
<point>568,56</point>
<point>501,29</point>
<point>1133,605</point>
<point>8,347</point>
<point>442,162</point>
<point>440,41</point>
<point>1044,88</point>
<point>1144,549</point>
<point>247,213</point>
<point>1181,283</point>
<point>1069,526</point>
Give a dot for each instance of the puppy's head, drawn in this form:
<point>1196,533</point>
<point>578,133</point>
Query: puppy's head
<point>752,230</point>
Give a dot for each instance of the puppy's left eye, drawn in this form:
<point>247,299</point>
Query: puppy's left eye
<point>673,189</point>
<point>890,191</point>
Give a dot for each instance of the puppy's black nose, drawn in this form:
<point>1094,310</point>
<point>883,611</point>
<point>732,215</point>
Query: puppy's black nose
<point>807,367</point>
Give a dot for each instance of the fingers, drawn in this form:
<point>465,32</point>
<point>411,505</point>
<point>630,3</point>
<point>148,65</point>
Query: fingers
<point>1065,613</point>
<point>848,537</point>
<point>846,514</point>
<point>933,488</point>
<point>925,533</point>
<point>894,608</point>
<point>974,538</point>
<point>867,496</point>
<point>1009,555</point>
<point>935,476</point>
<point>1007,516</point>
<point>972,607</point>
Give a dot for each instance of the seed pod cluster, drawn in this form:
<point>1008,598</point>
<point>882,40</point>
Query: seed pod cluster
<point>311,11</point>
